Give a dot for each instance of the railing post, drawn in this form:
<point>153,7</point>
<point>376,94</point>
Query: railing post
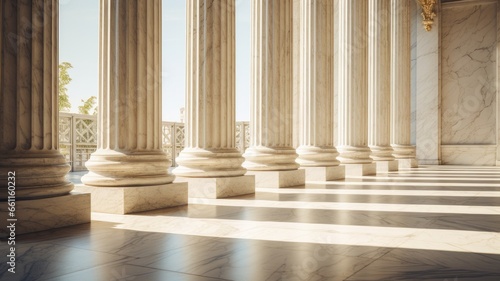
<point>247,132</point>
<point>242,137</point>
<point>72,151</point>
<point>173,131</point>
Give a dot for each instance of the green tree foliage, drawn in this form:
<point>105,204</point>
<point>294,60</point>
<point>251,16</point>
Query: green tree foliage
<point>64,80</point>
<point>88,105</point>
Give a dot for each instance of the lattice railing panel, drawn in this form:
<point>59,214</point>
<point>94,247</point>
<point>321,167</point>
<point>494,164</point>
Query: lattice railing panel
<point>173,139</point>
<point>86,130</point>
<point>242,136</point>
<point>65,136</point>
<point>167,132</point>
<point>65,129</point>
<point>82,155</point>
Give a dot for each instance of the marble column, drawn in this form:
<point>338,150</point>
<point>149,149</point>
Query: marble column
<point>353,88</point>
<point>271,156</point>
<point>379,85</point>
<point>129,171</point>
<point>296,71</point>
<point>401,84</point>
<point>33,171</point>
<point>317,154</point>
<point>210,161</point>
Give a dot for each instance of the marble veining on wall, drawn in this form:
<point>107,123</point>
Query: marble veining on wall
<point>469,38</point>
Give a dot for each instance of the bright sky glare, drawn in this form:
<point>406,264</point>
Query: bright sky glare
<point>78,42</point>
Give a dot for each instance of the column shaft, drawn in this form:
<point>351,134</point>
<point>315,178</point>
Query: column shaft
<point>29,114</point>
<point>316,92</point>
<point>271,147</point>
<point>400,80</point>
<point>353,82</point>
<point>129,120</point>
<point>210,149</point>
<point>379,80</point>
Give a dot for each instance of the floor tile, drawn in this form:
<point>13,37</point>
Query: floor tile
<point>128,272</point>
<point>36,261</point>
<point>431,223</point>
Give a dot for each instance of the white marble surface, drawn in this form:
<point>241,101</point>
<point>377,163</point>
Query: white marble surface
<point>210,148</point>
<point>401,80</point>
<point>416,23</point>
<point>395,237</point>
<point>407,163</point>
<point>359,170</point>
<point>48,213</point>
<point>478,210</point>
<point>133,199</point>
<point>324,173</point>
<point>129,141</point>
<point>271,106</point>
<point>30,160</point>
<point>29,120</point>
<point>316,100</point>
<point>469,70</point>
<point>477,155</point>
<point>379,80</point>
<point>428,89</point>
<point>296,72</point>
<point>352,69</point>
<point>220,187</point>
<point>336,72</point>
<point>387,166</point>
<point>430,223</point>
<point>278,179</point>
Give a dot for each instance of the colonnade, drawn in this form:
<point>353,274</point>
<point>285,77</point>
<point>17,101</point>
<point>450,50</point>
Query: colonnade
<point>129,171</point>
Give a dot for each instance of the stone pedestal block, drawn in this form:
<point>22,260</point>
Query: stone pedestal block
<point>47,213</point>
<point>407,163</point>
<point>278,179</point>
<point>387,166</point>
<point>221,187</point>
<point>359,170</point>
<point>133,199</point>
<point>324,173</point>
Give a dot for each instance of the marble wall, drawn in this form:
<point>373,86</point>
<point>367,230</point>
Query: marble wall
<point>469,33</point>
<point>468,65</point>
<point>427,81</point>
<point>475,155</point>
<point>415,23</point>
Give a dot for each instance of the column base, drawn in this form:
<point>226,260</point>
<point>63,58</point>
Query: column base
<point>407,163</point>
<point>47,213</point>
<point>359,170</point>
<point>324,173</point>
<point>222,187</point>
<point>387,166</point>
<point>133,199</point>
<point>278,179</point>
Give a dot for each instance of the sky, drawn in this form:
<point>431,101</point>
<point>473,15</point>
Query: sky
<point>79,45</point>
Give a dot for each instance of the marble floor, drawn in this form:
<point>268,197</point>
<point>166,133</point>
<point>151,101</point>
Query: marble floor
<point>431,223</point>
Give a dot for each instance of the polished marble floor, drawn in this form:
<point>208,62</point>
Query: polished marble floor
<point>431,223</point>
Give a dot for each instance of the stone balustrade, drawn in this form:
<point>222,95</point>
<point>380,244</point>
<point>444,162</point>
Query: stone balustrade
<point>78,138</point>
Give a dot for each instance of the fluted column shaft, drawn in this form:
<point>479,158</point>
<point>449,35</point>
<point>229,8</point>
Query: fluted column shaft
<point>271,147</point>
<point>29,114</point>
<point>210,149</point>
<point>401,80</point>
<point>129,119</point>
<point>316,92</point>
<point>353,82</point>
<point>379,80</point>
